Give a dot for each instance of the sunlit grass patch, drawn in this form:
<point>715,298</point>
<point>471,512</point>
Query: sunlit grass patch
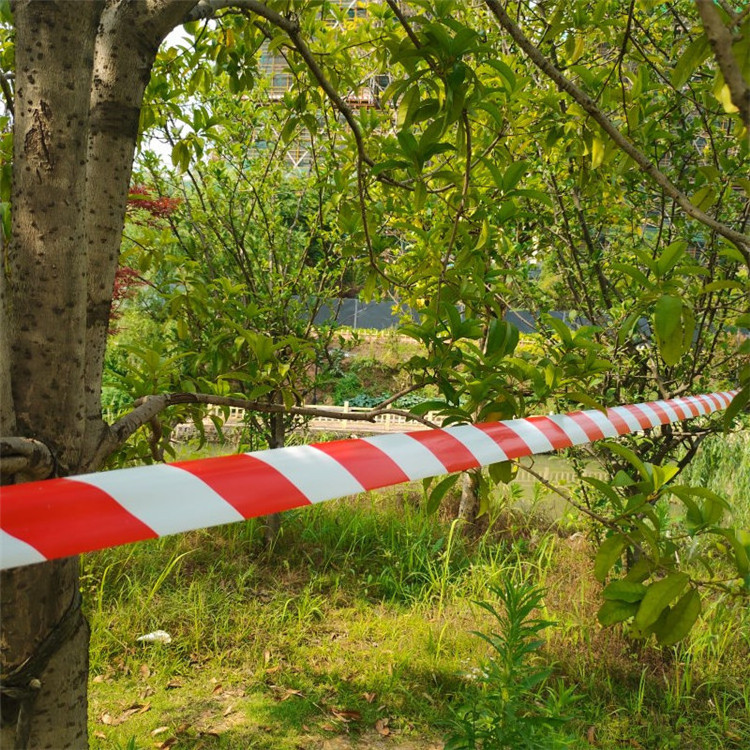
<point>357,628</point>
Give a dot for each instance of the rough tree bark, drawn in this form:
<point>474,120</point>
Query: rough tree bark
<point>81,70</point>
<point>277,439</point>
<point>469,506</point>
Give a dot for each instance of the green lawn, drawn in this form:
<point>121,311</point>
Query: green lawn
<point>356,632</point>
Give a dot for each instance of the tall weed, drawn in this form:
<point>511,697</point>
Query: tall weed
<point>518,708</point>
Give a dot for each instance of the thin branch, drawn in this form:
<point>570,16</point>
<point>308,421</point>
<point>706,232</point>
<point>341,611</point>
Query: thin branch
<point>742,241</point>
<point>568,499</point>
<point>290,25</point>
<point>394,6</point>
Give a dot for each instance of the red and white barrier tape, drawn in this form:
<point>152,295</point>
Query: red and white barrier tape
<point>57,518</point>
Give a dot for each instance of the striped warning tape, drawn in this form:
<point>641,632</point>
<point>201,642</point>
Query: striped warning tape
<point>61,517</point>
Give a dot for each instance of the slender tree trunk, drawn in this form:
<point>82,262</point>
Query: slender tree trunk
<point>469,506</point>
<point>272,523</point>
<point>125,51</point>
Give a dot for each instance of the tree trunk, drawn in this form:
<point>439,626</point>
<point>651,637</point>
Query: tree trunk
<point>45,309</point>
<point>81,70</point>
<point>277,438</point>
<point>469,505</point>
<point>54,715</point>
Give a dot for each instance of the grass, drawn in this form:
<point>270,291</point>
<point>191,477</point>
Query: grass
<point>355,631</point>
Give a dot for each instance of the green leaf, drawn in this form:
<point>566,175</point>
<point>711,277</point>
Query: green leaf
<point>640,570</point>
<point>407,106</point>
<point>680,619</point>
<point>622,479</point>
<point>597,153</point>
<point>586,400</point>
<point>741,551</point>
<point>739,402</point>
<point>181,156</point>
<point>408,143</point>
<point>612,612</point>
<point>627,326</point>
<point>670,257</point>
<point>289,130</point>
<point>634,272</point>
<point>660,475</point>
<point>606,489</point>
<point>625,591</point>
<point>704,198</point>
<point>454,320</point>
<point>722,284</point>
<point>513,174</point>
<point>502,472</point>
<point>608,554</point>
<point>439,492</point>
<point>505,71</point>
<point>560,328</point>
<point>658,596</point>
<point>502,338</point>
<point>671,330</point>
<point>630,457</point>
<point>695,53</point>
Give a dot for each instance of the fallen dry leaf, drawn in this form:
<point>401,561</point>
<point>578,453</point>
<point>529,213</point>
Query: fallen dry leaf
<point>266,656</point>
<point>136,708</point>
<point>346,715</point>
<point>98,678</point>
<point>106,719</point>
<point>381,727</point>
<point>158,731</point>
<point>147,692</point>
<point>145,671</point>
<point>289,693</point>
<point>328,728</point>
<point>100,735</point>
<point>167,743</point>
<point>173,685</point>
<point>591,735</point>
<point>218,690</point>
<point>369,697</point>
<point>273,670</point>
<point>228,710</point>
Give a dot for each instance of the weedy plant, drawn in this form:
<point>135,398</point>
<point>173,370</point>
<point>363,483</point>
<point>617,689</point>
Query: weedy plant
<point>518,707</point>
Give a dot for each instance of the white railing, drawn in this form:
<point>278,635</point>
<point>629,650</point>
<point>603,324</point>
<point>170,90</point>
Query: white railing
<point>340,422</point>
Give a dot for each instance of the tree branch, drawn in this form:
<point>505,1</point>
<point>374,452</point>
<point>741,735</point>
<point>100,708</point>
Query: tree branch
<point>742,241</point>
<point>31,458</point>
<point>720,39</point>
<point>147,409</point>
<point>568,499</point>
<point>7,92</point>
<point>290,25</point>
